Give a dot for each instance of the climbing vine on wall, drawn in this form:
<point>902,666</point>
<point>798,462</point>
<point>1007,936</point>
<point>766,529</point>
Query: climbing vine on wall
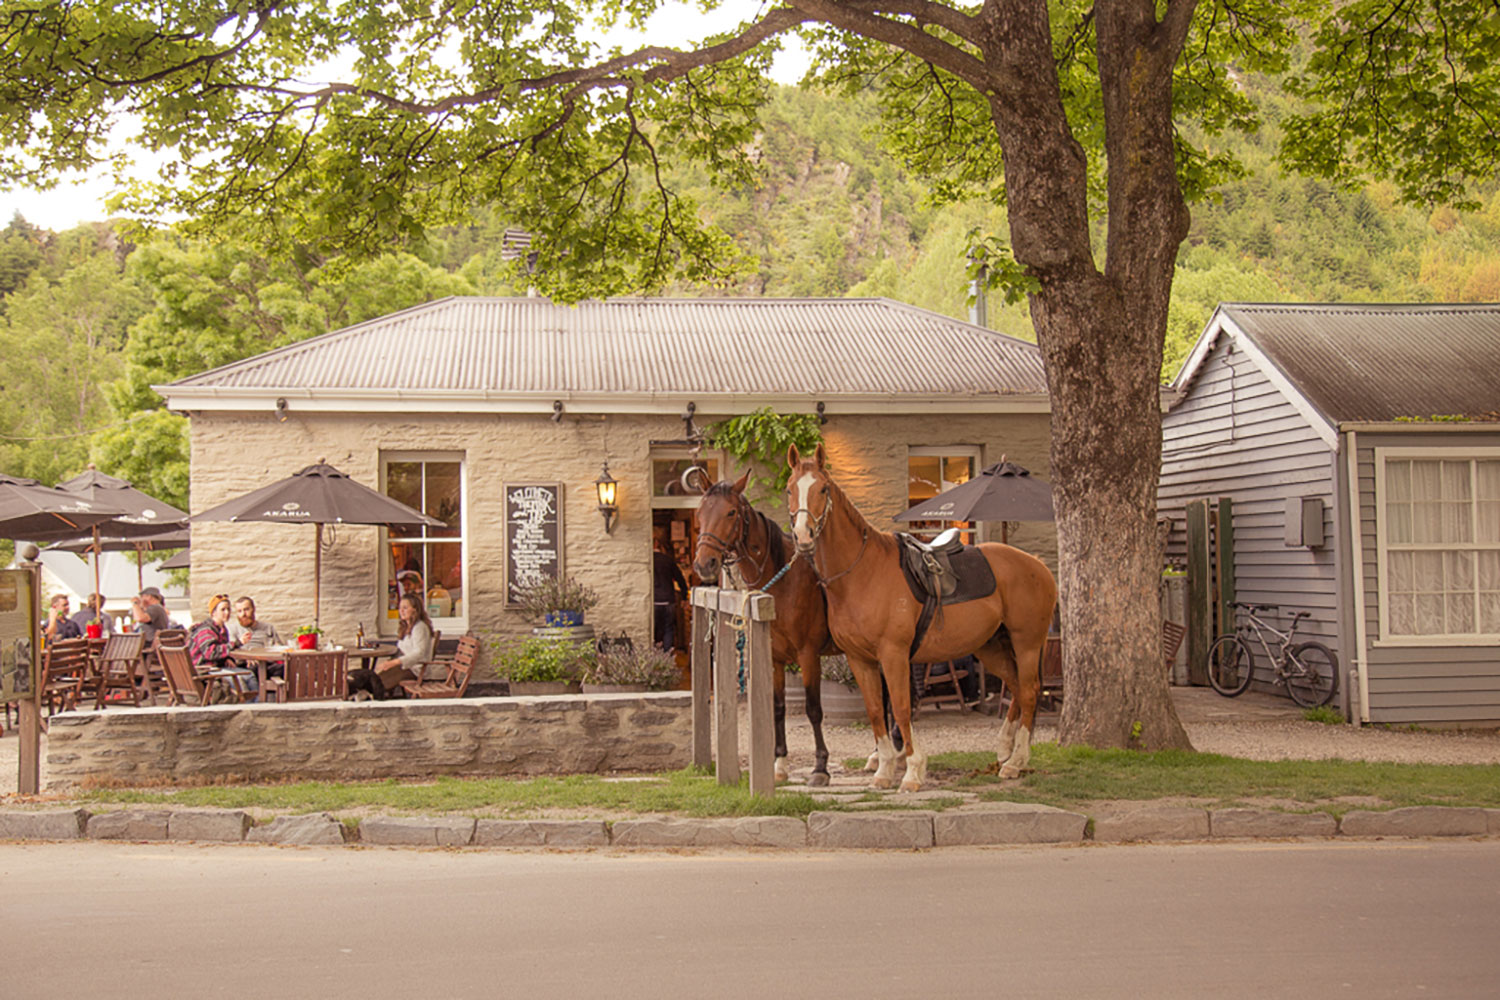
<point>761,439</point>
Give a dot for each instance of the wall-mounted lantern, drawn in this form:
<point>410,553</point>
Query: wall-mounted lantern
<point>609,506</point>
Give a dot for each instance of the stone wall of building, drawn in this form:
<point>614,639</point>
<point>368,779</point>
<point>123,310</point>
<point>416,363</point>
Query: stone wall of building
<point>233,453</point>
<point>341,741</point>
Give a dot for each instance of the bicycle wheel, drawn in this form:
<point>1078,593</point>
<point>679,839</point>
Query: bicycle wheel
<point>1312,672</point>
<point>1230,665</point>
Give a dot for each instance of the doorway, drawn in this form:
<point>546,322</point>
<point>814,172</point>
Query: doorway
<point>675,532</point>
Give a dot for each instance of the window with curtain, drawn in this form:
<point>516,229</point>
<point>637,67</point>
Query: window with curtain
<point>428,561</point>
<point>1440,531</point>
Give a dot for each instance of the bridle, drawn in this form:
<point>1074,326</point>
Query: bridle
<point>729,550</point>
<point>817,524</point>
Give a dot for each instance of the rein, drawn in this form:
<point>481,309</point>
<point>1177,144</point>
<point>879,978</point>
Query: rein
<point>817,529</point>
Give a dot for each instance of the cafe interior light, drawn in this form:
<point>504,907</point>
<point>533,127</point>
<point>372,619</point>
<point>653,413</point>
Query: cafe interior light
<point>609,506</point>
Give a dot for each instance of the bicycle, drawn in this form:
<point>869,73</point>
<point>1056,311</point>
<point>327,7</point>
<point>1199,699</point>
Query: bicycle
<point>1309,669</point>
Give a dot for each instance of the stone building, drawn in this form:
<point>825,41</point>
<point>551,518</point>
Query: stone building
<point>466,407</point>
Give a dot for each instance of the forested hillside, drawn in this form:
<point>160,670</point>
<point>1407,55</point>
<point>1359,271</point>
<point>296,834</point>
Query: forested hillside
<point>89,320</point>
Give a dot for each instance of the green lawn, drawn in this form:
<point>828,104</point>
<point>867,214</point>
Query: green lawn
<point>1070,778</point>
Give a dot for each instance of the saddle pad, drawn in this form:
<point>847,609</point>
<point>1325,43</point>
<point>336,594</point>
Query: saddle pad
<point>971,571</point>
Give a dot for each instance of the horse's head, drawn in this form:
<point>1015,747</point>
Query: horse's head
<point>807,496</point>
<point>721,517</point>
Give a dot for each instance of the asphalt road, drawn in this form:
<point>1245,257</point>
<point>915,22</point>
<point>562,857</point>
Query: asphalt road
<point>1367,920</point>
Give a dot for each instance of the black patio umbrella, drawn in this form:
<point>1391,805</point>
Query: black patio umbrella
<point>143,514</point>
<point>1003,492</point>
<point>181,560</point>
<point>177,538</point>
<point>318,495</point>
<point>37,513</point>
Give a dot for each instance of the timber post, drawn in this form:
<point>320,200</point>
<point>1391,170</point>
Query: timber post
<point>716,674</point>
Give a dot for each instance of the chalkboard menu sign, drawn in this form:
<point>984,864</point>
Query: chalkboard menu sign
<point>533,535</point>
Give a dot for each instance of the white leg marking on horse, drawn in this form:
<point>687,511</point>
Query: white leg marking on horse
<point>885,774</point>
<point>782,773</point>
<point>1020,756</point>
<point>873,761</point>
<point>916,770</point>
<point>1007,739</point>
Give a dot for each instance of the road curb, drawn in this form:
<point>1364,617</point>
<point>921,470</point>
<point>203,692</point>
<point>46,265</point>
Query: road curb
<point>985,824</point>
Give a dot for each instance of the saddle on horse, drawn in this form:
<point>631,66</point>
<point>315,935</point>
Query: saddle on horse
<point>944,572</point>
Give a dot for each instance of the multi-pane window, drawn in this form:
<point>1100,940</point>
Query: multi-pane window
<point>1440,524</point>
<point>934,470</point>
<point>428,561</point>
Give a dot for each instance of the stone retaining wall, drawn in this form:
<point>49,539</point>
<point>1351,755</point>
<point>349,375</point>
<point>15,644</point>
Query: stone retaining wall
<point>477,737</point>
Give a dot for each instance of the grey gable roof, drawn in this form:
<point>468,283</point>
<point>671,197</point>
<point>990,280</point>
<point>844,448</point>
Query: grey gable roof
<point>492,347</point>
<point>1380,363</point>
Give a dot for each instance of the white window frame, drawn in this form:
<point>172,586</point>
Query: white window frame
<point>455,624</point>
<point>672,453</point>
<point>1383,547</point>
<point>973,451</point>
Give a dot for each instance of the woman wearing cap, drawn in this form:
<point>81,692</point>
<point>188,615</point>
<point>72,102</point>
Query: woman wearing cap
<point>208,643</point>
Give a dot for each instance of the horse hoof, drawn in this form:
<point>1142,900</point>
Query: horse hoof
<point>884,782</point>
<point>1010,771</point>
<point>873,761</point>
<point>817,779</point>
<point>911,786</point>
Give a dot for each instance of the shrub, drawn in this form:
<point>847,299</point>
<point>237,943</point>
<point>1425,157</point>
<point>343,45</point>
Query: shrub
<point>536,659</point>
<point>653,667</point>
<point>836,668</point>
<point>555,594</point>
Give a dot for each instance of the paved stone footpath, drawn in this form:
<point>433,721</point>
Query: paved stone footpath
<point>992,823</point>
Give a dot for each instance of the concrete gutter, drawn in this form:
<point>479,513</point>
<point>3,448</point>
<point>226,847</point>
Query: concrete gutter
<point>983,824</point>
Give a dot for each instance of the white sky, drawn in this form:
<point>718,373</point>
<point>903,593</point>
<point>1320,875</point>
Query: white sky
<point>81,199</point>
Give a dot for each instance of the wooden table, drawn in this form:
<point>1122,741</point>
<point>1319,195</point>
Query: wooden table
<point>260,656</point>
<point>367,655</point>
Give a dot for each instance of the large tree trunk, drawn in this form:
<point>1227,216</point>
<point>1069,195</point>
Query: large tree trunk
<point>1101,338</point>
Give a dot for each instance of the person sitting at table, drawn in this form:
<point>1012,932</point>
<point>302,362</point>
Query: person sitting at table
<point>58,624</point>
<point>247,630</point>
<point>413,649</point>
<point>208,644</point>
<point>92,610</point>
<point>151,615</point>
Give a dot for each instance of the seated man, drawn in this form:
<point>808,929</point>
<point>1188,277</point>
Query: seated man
<point>247,630</point>
<point>91,610</point>
<point>155,612</point>
<point>58,624</point>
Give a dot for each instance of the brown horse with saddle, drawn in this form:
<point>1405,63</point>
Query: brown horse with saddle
<point>882,624</point>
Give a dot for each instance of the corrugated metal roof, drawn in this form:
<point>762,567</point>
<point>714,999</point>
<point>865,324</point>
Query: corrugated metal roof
<point>1383,362</point>
<point>649,347</point>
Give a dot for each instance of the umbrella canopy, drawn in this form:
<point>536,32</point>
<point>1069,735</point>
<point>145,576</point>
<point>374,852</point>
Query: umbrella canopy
<point>181,560</point>
<point>318,495</point>
<point>37,513</point>
<point>177,538</point>
<point>142,513</point>
<point>1003,492</point>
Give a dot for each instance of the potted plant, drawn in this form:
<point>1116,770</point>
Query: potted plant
<point>307,637</point>
<point>842,701</point>
<point>94,628</point>
<point>557,602</point>
<point>541,666</point>
<point>628,668</point>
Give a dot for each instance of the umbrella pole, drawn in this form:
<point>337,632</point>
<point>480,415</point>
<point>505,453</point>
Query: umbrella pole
<point>100,609</point>
<point>140,579</point>
<point>317,570</point>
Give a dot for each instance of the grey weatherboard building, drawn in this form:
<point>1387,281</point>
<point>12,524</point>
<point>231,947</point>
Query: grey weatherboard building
<point>1360,445</point>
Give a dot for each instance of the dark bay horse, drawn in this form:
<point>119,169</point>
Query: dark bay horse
<point>734,535</point>
<point>872,616</point>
